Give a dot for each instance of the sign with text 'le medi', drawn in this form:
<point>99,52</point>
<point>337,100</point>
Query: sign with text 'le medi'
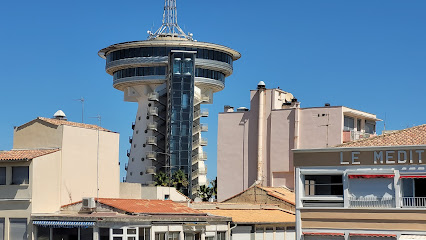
<point>383,157</point>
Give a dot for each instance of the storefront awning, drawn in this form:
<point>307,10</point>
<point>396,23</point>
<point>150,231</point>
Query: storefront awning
<point>371,176</point>
<point>409,237</point>
<point>371,235</point>
<point>413,176</point>
<point>323,234</point>
<point>63,224</point>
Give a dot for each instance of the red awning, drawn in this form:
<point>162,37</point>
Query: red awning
<point>372,176</point>
<point>413,176</point>
<point>371,235</point>
<point>323,234</point>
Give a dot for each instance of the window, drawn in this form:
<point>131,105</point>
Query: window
<point>370,127</point>
<point>43,233</point>
<point>103,234</point>
<point>18,229</point>
<point>348,123</point>
<point>20,175</point>
<point>160,236</point>
<point>2,175</point>
<point>144,234</point>
<point>323,185</point>
<point>358,125</point>
<point>221,235</point>
<point>173,236</point>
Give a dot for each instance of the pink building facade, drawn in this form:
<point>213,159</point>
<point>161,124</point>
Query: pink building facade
<point>250,153</point>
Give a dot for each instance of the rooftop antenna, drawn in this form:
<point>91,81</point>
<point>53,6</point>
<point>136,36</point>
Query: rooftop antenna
<point>81,99</point>
<point>99,118</point>
<point>170,27</point>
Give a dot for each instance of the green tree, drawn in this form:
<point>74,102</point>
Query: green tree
<point>204,192</point>
<point>161,179</point>
<point>179,180</point>
<point>214,187</point>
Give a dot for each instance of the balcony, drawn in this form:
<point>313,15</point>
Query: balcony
<point>201,113</point>
<point>126,166</point>
<point>413,202</point>
<point>150,170</point>
<point>203,142</point>
<point>151,156</point>
<point>349,136</point>
<point>130,140</point>
<point>198,172</point>
<point>153,111</point>
<point>151,140</point>
<point>153,96</point>
<point>128,153</point>
<point>133,125</point>
<point>371,202</point>
<point>152,126</point>
<point>199,157</point>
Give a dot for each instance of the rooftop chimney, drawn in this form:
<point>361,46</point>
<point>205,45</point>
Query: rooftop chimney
<point>60,115</point>
<point>261,85</point>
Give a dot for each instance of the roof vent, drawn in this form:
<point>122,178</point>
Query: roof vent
<point>327,104</point>
<point>60,115</point>
<point>242,109</point>
<point>261,85</point>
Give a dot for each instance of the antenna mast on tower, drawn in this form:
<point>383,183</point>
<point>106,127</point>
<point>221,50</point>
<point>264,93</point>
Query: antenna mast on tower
<point>170,27</point>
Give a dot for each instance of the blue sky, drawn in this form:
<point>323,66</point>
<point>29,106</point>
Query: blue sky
<point>364,54</point>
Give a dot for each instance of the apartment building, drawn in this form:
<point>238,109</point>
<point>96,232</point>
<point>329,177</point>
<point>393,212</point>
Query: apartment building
<point>254,145</point>
<point>54,162</point>
<point>366,189</point>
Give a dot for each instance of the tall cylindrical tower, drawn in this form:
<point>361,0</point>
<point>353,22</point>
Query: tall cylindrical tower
<point>169,75</point>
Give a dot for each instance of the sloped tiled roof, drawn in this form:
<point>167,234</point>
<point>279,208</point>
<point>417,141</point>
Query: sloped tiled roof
<point>149,206</point>
<point>280,193</point>
<point>59,122</point>
<point>409,136</point>
<point>23,155</point>
<point>254,216</point>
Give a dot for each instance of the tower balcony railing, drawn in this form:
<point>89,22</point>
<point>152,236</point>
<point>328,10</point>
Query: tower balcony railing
<point>153,96</point>
<point>153,111</point>
<point>200,128</point>
<point>203,142</point>
<point>198,172</point>
<point>133,125</point>
<point>204,127</point>
<point>199,157</point>
<point>201,113</point>
<point>413,202</point>
<point>151,140</point>
<point>150,170</point>
<point>151,155</point>
<point>130,139</point>
<point>152,126</point>
<point>128,153</point>
<point>198,100</point>
<point>126,166</point>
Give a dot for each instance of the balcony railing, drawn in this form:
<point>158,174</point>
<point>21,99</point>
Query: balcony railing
<point>152,126</point>
<point>150,140</point>
<point>413,202</point>
<point>352,135</point>
<point>150,170</point>
<point>203,142</point>
<point>201,113</point>
<point>153,96</point>
<point>151,156</point>
<point>199,157</point>
<point>200,171</point>
<point>153,111</point>
<point>371,202</point>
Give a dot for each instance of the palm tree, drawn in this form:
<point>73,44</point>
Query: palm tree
<point>214,187</point>
<point>161,179</point>
<point>204,192</point>
<point>179,180</point>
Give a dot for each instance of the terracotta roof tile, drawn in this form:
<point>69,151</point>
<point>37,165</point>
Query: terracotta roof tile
<point>281,193</point>
<point>58,122</point>
<point>149,206</point>
<point>254,216</point>
<point>409,136</point>
<point>23,155</point>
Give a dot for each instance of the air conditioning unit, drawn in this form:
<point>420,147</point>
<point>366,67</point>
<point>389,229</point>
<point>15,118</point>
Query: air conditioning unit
<point>89,203</point>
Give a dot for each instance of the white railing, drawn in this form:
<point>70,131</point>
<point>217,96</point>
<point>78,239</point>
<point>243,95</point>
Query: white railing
<point>153,111</point>
<point>150,140</point>
<point>201,113</point>
<point>153,96</point>
<point>203,142</point>
<point>151,155</point>
<point>150,170</point>
<point>199,157</point>
<point>413,202</point>
<point>152,126</point>
<point>356,135</point>
<point>371,202</point>
<point>204,127</point>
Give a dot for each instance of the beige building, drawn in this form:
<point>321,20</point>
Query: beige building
<point>54,162</point>
<point>251,153</point>
<point>253,221</point>
<point>367,189</point>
